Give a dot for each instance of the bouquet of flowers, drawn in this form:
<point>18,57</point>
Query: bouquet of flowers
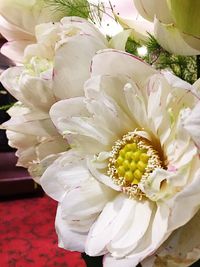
<point>108,122</point>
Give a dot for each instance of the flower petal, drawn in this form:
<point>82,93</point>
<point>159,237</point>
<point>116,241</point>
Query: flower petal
<point>72,119</point>
<point>129,227</point>
<point>129,66</point>
<point>109,261</point>
<point>98,166</point>
<point>67,238</point>
<point>181,249</point>
<point>191,123</point>
<point>150,9</point>
<point>68,81</point>
<point>117,227</point>
<point>85,200</point>
<point>107,104</point>
<point>189,197</point>
<point>67,172</point>
<point>99,235</point>
<point>169,37</point>
<point>14,50</point>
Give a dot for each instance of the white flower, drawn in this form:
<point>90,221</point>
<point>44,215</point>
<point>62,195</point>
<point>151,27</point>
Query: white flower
<point>51,71</point>
<point>133,174</point>
<point>176,24</point>
<point>18,19</point>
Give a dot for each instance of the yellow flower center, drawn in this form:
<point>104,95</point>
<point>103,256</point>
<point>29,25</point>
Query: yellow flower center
<point>132,159</point>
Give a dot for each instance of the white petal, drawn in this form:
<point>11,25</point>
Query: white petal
<point>71,118</point>
<point>14,50</point>
<point>67,172</point>
<point>99,235</point>
<point>37,124</point>
<point>150,9</point>
<point>138,30</point>
<point>179,149</point>
<point>38,167</point>
<point>136,104</point>
<point>12,32</point>
<point>37,92</point>
<point>107,103</point>
<point>85,26</point>
<point>191,123</point>
<point>109,261</point>
<point>123,64</point>
<point>189,198</point>
<point>130,227</point>
<point>119,41</point>
<point>10,80</point>
<point>77,52</point>
<point>155,235</point>
<point>169,37</point>
<point>99,172</point>
<point>181,249</point>
<point>85,200</point>
<point>67,238</point>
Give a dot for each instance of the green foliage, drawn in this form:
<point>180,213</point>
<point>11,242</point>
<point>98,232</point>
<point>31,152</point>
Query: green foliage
<point>80,8</point>
<point>132,46</point>
<point>6,107</point>
<point>185,67</point>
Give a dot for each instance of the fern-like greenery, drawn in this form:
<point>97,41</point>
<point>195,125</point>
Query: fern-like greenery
<point>185,67</point>
<point>79,8</point>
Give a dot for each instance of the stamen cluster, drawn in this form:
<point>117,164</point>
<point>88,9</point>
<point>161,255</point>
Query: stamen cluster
<point>132,159</point>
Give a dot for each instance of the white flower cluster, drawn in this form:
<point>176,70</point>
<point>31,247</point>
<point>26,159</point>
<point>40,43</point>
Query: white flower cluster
<point>115,142</point>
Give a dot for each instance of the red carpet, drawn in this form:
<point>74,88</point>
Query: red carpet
<point>28,238</point>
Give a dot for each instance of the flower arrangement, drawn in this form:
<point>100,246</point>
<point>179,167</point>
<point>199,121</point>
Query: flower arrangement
<point>107,122</point>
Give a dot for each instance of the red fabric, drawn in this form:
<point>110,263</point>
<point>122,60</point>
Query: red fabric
<point>28,238</point>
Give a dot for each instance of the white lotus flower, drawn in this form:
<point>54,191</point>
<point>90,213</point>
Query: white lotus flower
<point>18,19</point>
<point>51,71</point>
<point>176,24</point>
<point>133,174</point>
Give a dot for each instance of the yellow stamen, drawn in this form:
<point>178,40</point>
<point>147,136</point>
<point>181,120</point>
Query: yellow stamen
<point>133,159</point>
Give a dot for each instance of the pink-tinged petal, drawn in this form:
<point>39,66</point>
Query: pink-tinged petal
<point>67,238</point>
<point>117,63</point>
<point>15,50</point>
<point>12,32</point>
